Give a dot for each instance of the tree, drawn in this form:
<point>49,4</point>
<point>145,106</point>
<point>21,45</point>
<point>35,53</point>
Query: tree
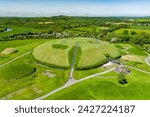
<point>133,33</point>
<point>125,32</point>
<point>122,78</point>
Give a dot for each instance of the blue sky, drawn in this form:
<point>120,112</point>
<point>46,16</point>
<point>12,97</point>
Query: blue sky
<point>74,7</point>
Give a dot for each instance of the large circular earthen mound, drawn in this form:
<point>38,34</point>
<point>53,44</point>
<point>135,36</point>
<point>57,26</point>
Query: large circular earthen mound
<point>59,54</point>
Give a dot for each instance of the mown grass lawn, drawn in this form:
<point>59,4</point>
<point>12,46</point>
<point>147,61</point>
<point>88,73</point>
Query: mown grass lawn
<point>103,88</point>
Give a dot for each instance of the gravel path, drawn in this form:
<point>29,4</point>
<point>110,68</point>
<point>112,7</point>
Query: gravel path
<point>15,59</point>
<point>138,69</point>
<point>73,61</point>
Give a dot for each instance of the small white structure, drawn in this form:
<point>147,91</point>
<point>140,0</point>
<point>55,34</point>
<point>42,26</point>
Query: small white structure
<point>108,64</point>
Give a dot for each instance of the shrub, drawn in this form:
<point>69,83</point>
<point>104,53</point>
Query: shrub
<point>59,46</point>
<point>122,78</point>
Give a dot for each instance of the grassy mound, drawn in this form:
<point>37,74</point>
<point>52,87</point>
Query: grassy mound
<point>90,54</point>
<point>16,71</point>
<point>8,51</point>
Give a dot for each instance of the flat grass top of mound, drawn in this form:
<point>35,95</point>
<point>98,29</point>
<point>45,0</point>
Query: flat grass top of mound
<point>16,71</point>
<point>8,51</point>
<point>59,53</point>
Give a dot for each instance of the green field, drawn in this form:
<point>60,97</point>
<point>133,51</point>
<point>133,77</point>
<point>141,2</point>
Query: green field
<point>90,28</point>
<point>18,30</point>
<point>136,29</point>
<point>100,88</point>
<point>140,27</point>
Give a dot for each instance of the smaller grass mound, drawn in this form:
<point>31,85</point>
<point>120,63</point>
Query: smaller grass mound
<point>16,71</point>
<point>131,58</point>
<point>8,51</point>
<point>59,46</point>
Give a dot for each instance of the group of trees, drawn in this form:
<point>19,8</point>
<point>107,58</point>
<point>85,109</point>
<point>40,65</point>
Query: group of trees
<point>60,27</point>
<point>131,37</point>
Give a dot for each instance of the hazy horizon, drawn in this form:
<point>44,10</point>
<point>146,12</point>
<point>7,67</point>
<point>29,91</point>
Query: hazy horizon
<point>38,8</point>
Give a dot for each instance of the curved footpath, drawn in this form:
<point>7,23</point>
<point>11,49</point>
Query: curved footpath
<point>15,59</point>
<point>138,69</point>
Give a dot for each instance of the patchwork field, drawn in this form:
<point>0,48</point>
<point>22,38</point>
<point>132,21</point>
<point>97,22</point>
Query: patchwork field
<point>90,28</point>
